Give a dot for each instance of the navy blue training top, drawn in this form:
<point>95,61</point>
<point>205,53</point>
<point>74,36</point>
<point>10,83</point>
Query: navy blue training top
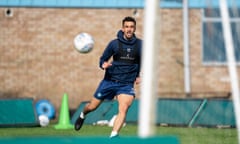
<point>126,59</point>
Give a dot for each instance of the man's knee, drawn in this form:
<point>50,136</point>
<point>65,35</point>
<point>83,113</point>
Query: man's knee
<point>123,108</point>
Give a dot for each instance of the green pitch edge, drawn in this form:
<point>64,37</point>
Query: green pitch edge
<point>91,140</point>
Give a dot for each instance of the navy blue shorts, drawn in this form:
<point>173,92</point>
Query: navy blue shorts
<point>109,89</point>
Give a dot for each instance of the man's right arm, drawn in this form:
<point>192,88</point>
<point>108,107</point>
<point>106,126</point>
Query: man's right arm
<point>108,52</point>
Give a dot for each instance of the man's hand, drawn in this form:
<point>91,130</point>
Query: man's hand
<point>138,80</point>
<point>105,65</point>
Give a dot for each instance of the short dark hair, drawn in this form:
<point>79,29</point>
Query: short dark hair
<point>128,18</point>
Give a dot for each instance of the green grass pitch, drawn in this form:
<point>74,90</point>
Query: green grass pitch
<point>184,134</point>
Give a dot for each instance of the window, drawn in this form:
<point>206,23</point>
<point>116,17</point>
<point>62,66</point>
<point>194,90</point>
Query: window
<point>212,36</point>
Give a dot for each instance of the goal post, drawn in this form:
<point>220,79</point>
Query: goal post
<point>147,106</point>
<point>231,62</point>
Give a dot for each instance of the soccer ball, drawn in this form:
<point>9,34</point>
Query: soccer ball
<point>83,42</point>
<point>43,120</point>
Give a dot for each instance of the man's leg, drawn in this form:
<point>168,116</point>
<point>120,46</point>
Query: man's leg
<point>91,106</point>
<point>124,102</point>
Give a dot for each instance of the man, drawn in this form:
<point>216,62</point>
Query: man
<point>120,75</point>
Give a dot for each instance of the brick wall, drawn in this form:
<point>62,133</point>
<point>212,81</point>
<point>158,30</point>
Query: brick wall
<point>37,58</point>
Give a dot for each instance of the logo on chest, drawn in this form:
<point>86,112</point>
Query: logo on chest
<point>127,54</point>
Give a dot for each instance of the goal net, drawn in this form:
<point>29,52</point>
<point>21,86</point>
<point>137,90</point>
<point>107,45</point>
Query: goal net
<point>198,48</point>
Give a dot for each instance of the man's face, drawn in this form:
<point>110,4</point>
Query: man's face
<point>128,29</point>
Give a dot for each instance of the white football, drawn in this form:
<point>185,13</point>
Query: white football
<point>83,42</point>
<point>43,120</point>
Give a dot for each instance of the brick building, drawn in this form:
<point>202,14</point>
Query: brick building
<point>38,60</point>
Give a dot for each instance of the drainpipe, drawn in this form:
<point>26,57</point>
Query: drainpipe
<point>187,81</point>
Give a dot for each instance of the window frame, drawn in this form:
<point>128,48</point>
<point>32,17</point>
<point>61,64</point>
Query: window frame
<point>205,20</point>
